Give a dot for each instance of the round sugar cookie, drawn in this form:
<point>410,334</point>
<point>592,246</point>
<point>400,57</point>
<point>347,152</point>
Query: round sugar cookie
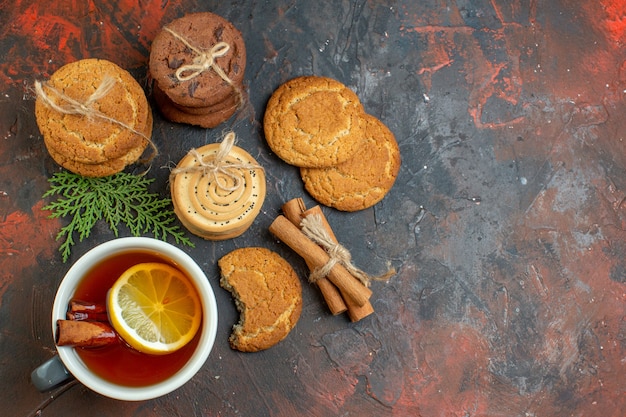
<point>267,293</point>
<point>362,181</point>
<point>92,140</point>
<point>217,205</point>
<point>313,122</point>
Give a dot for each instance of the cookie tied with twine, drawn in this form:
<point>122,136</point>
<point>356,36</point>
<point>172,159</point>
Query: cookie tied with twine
<point>94,117</point>
<point>203,61</point>
<point>198,63</point>
<point>218,190</point>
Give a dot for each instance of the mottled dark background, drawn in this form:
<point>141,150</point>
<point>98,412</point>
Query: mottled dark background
<point>506,224</point>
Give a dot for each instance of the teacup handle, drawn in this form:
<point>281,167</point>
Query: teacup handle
<point>50,374</point>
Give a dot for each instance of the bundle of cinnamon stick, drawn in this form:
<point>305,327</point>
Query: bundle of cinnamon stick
<point>308,233</point>
<point>87,326</point>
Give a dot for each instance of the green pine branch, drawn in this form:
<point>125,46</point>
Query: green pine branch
<point>118,199</point>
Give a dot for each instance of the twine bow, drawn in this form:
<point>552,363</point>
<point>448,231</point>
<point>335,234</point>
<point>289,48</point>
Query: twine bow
<point>313,228</point>
<point>203,61</point>
<point>218,167</point>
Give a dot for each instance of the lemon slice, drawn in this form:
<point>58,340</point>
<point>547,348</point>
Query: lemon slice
<point>154,308</point>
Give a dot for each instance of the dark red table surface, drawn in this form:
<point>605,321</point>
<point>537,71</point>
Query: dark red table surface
<point>506,224</point>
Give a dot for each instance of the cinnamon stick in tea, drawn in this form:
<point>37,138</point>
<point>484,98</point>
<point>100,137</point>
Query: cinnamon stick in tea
<point>355,312</point>
<point>293,210</point>
<point>87,334</point>
<point>83,310</point>
<point>317,257</point>
<point>79,316</point>
<point>86,306</point>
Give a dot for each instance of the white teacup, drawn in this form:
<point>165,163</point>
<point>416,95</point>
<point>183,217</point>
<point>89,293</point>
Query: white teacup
<point>68,363</point>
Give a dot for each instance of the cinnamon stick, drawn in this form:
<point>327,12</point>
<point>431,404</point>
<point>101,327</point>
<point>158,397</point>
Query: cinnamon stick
<point>87,334</point>
<point>355,312</point>
<point>293,210</point>
<point>317,257</point>
<point>79,316</point>
<point>85,310</point>
<point>80,305</point>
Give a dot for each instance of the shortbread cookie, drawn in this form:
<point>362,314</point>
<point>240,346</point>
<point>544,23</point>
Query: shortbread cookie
<point>120,119</point>
<point>193,37</point>
<point>313,122</point>
<point>217,203</point>
<point>267,293</point>
<point>362,181</point>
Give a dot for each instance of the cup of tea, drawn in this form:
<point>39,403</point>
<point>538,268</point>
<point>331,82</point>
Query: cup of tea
<point>117,370</point>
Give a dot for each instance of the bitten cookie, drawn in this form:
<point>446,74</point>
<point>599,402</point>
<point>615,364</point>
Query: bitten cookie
<point>118,121</point>
<point>267,294</point>
<point>217,200</point>
<point>180,50</point>
<point>362,181</point>
<point>313,122</point>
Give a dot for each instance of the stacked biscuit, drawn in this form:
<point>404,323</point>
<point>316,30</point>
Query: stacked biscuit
<point>94,117</point>
<point>216,194</point>
<point>198,63</point>
<point>348,159</point>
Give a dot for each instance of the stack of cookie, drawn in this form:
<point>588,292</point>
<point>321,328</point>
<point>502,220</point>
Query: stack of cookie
<point>94,117</point>
<point>216,194</point>
<point>348,159</point>
<point>198,63</point>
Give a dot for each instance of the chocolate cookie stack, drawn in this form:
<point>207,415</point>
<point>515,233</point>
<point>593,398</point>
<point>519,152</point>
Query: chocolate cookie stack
<point>198,63</point>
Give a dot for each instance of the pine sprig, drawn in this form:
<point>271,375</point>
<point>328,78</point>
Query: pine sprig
<point>118,199</point>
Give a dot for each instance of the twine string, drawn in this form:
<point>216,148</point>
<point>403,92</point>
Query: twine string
<point>72,106</point>
<point>217,167</point>
<point>313,227</point>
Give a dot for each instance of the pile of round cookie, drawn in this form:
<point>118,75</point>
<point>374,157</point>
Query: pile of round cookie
<point>348,159</point>
<point>94,117</point>
<point>197,63</point>
<point>217,190</point>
